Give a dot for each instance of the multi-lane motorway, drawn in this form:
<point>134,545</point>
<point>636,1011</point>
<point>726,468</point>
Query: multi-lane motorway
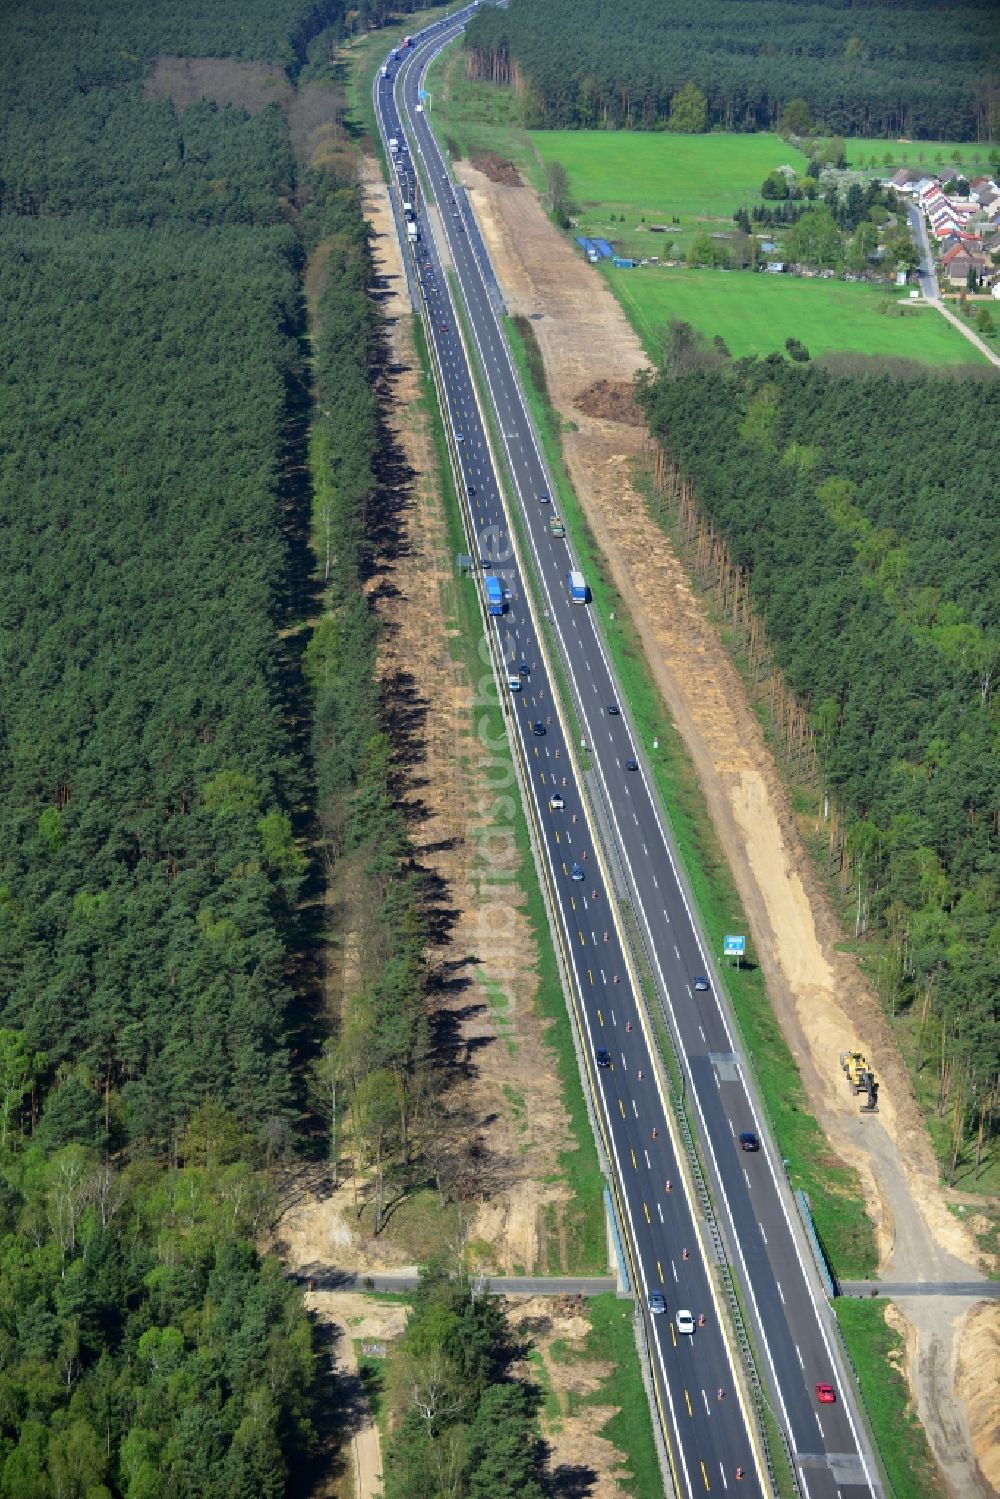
<point>709,1431</point>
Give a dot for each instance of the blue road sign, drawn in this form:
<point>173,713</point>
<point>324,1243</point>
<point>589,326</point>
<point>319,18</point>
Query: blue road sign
<point>735,947</point>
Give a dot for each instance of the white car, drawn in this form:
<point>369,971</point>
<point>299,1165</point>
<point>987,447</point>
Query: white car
<point>556,802</point>
<point>685,1322</point>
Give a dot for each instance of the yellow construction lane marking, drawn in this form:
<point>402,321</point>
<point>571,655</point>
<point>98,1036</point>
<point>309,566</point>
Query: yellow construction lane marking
<point>687,1402</point>
<point>565,870</point>
<point>635,1163</point>
<point>600,1016</point>
<point>673,1335</point>
<point>660,1269</point>
<point>536,751</point>
<point>704,1476</point>
<point>572,901</point>
<point>622,1107</point>
<point>558,839</point>
<point>583,940</point>
<point>590,974</point>
<point>645,1209</point>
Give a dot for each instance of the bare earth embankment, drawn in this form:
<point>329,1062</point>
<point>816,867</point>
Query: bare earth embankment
<point>818,994</point>
<point>489,953</point>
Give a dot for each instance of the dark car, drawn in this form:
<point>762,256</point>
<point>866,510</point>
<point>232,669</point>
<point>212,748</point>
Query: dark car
<point>538,727</point>
<point>613,710</point>
<point>700,983</point>
<point>748,1140</point>
<point>576,872</point>
<point>543,499</point>
<point>657,1303</point>
<point>524,669</point>
<point>602,1057</point>
<point>444,327</point>
<point>631,764</point>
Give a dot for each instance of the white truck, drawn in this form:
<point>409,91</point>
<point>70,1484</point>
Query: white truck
<point>393,144</point>
<point>412,233</point>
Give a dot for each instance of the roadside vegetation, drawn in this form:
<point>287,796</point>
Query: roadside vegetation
<point>715,64</point>
<point>583,1218</point>
<point>833,1188</point>
<point>878,1354</point>
<point>460,1422</point>
<point>826,491</point>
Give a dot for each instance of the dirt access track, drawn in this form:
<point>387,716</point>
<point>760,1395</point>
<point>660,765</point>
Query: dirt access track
<point>818,993</point>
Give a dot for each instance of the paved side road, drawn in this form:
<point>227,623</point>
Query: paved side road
<point>329,1278</point>
<point>975,1290</point>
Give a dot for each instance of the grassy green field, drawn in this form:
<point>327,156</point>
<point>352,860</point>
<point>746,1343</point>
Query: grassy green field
<point>624,181</point>
<point>660,174</point>
<point>755,313</point>
<point>878,1353</point>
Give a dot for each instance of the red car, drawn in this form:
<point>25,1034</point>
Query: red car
<point>826,1394</point>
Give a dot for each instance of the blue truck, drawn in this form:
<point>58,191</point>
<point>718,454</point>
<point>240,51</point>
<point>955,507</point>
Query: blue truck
<point>576,583</point>
<point>494,595</point>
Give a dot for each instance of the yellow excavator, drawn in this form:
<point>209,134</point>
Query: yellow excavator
<point>862,1078</point>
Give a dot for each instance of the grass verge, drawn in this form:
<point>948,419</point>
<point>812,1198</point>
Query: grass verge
<point>877,1352</point>
<point>611,1340</point>
<point>583,1216</point>
<point>833,1188</point>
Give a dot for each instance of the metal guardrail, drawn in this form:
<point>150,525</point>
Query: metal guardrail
<point>641,958</point>
<point>566,977</point>
<point>805,1214</point>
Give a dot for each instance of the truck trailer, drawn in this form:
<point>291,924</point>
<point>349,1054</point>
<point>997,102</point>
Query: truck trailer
<point>412,232</point>
<point>494,595</point>
<point>576,583</point>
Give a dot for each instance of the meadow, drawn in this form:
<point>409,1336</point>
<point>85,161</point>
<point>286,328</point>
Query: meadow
<point>755,313</point>
<point>622,182</point>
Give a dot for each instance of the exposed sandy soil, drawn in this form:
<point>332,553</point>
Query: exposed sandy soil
<point>574,1445</point>
<point>352,1318</point>
<point>507,1082</point>
<point>572,1439</point>
<point>819,995</point>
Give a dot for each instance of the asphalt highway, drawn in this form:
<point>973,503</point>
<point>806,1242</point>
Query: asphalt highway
<point>708,1429</point>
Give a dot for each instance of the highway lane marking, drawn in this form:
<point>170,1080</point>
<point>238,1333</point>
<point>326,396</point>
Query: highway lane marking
<point>762,1233</point>
<point>677,954</point>
<point>613,1020</point>
<point>725,1481</point>
<point>646,1154</point>
<point>798,1355</point>
<point>747,1178</point>
<point>780,1291</point>
<point>704,1399</point>
<point>705,1039</point>
<point>660,1211</point>
<point>674,1269</point>
<point>635,1111</point>
<point>624,1063</point>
